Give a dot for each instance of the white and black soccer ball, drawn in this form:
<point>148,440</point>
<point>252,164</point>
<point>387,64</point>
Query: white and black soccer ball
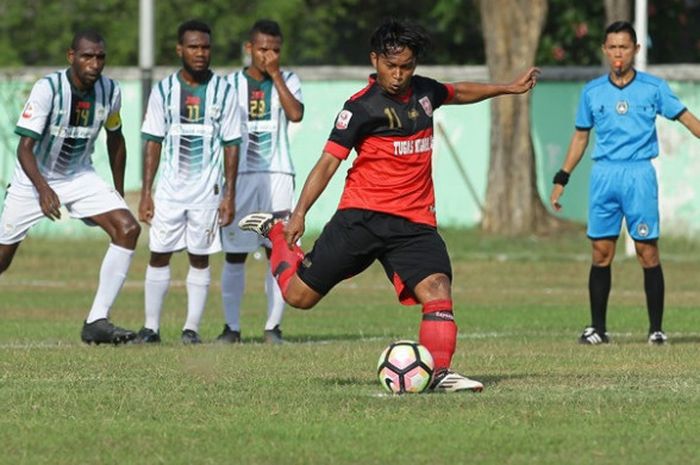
<point>405,366</point>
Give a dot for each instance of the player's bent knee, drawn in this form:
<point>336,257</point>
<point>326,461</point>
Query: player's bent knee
<point>303,299</point>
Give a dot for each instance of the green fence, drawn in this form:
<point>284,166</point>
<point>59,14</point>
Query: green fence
<point>467,127</point>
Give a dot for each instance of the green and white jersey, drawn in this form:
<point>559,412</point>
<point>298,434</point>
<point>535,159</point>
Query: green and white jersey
<point>265,146</point>
<point>193,124</point>
<point>66,122</point>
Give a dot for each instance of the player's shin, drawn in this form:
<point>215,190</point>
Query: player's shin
<point>284,263</point>
<point>438,332</point>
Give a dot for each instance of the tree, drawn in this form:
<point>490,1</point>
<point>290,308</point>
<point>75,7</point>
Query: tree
<point>513,206</point>
<point>617,10</point>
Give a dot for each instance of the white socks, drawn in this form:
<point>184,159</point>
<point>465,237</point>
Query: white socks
<point>155,289</point>
<point>197,289</point>
<point>275,301</point>
<point>113,271</point>
<point>232,286</point>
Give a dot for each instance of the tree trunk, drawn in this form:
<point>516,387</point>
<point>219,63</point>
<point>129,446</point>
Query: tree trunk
<point>512,30</point>
<point>617,10</point>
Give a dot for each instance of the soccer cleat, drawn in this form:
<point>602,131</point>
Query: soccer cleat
<point>229,336</point>
<point>591,336</point>
<point>274,335</point>
<point>103,331</point>
<point>450,381</point>
<point>190,337</point>
<point>658,338</point>
<point>147,336</point>
<point>259,223</point>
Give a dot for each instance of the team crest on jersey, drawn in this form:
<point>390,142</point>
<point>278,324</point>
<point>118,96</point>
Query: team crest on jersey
<point>28,110</point>
<point>621,107</point>
<point>412,114</point>
<point>343,119</point>
<point>643,229</point>
<point>427,106</point>
<point>100,113</point>
<point>215,111</point>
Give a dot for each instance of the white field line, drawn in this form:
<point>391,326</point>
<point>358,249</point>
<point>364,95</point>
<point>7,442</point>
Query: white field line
<point>470,336</point>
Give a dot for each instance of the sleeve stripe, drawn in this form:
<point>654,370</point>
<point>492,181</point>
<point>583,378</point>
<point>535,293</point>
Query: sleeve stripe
<point>450,93</point>
<point>584,128</point>
<point>151,137</point>
<point>336,150</point>
<point>27,133</point>
<point>236,141</point>
<point>678,115</point>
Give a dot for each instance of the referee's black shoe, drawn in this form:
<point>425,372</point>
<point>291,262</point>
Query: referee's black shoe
<point>103,331</point>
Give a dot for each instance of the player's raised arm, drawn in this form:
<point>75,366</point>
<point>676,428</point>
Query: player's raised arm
<point>691,122</point>
<point>471,92</point>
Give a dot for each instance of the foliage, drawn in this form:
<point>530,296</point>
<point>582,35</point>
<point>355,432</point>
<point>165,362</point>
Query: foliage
<point>333,32</point>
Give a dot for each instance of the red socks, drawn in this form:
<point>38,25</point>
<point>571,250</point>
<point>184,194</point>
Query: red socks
<point>438,332</point>
<point>283,262</point>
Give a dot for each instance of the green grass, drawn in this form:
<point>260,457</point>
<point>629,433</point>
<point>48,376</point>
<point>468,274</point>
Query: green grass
<point>520,304</point>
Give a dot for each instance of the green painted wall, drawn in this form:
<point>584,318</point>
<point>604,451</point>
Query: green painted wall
<point>553,106</point>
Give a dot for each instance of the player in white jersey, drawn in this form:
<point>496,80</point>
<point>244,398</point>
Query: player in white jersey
<point>269,98</point>
<point>58,128</point>
<point>192,122</point>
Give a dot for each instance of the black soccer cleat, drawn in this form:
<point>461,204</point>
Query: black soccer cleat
<point>591,336</point>
<point>190,337</point>
<point>273,336</point>
<point>229,336</point>
<point>147,336</point>
<point>103,331</point>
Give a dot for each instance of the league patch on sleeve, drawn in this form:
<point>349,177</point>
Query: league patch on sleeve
<point>28,111</point>
<point>427,105</point>
<point>343,119</point>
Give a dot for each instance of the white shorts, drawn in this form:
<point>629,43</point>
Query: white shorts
<point>84,195</point>
<point>176,228</point>
<point>257,192</point>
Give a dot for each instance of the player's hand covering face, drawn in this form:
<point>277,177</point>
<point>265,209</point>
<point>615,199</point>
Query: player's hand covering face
<point>265,53</point>
<point>394,71</point>
<point>87,62</point>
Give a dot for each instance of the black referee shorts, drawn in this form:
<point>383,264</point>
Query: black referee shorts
<point>354,238</point>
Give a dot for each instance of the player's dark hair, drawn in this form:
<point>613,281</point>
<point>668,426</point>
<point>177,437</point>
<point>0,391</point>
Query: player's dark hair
<point>192,25</point>
<point>621,26</point>
<point>267,27</point>
<point>393,36</point>
<point>90,35</point>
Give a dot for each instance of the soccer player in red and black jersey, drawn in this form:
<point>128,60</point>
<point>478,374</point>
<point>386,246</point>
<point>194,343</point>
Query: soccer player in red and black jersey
<point>387,209</point>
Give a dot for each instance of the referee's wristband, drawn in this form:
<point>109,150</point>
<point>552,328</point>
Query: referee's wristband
<point>561,178</point>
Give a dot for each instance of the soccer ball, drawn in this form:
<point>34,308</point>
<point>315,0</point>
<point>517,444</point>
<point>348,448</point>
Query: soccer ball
<point>405,366</point>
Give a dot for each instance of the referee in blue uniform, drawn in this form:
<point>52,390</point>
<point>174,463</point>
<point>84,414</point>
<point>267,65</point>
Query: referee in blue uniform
<point>622,106</point>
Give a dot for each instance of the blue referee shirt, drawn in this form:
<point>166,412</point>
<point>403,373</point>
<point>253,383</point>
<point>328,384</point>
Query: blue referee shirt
<point>624,117</point>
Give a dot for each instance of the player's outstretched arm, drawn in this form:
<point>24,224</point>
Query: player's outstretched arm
<point>227,208</point>
<point>116,149</point>
<point>579,142</point>
<point>471,92</point>
<point>150,166</point>
<point>48,200</point>
<point>315,184</point>
<point>691,122</point>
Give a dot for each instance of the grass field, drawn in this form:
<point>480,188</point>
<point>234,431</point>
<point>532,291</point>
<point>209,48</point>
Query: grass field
<point>520,305</point>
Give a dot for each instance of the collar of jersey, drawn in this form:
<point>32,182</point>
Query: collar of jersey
<point>634,76</point>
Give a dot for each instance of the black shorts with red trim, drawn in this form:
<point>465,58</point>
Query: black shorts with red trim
<point>353,239</point>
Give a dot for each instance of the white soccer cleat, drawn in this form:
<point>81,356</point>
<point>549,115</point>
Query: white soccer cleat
<point>591,336</point>
<point>658,338</point>
<point>259,223</point>
<point>450,381</point>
